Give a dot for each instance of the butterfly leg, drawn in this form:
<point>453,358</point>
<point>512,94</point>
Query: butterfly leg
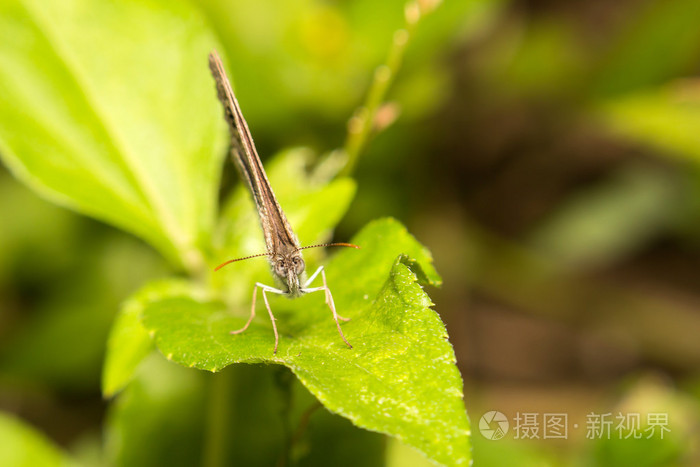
<point>313,277</point>
<point>329,300</point>
<point>329,297</point>
<point>265,288</point>
<point>252,312</point>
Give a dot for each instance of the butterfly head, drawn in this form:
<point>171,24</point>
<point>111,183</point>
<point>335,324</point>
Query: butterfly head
<point>289,268</point>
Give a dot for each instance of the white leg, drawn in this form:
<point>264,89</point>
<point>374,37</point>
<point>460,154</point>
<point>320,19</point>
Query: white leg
<point>265,288</point>
<point>272,320</point>
<point>329,301</point>
<point>313,277</point>
<point>329,297</point>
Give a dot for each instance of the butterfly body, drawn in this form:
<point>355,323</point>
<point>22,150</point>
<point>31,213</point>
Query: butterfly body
<point>283,248</point>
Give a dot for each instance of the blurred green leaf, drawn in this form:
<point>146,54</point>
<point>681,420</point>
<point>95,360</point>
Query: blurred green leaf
<point>533,57</point>
<point>74,309</point>
<point>128,342</point>
<point>170,415</point>
<point>108,108</point>
<point>22,446</point>
<point>313,57</point>
<point>400,378</point>
<point>605,223</point>
<point>76,329</point>
<point>521,453</point>
<point>302,54</point>
<point>667,118</point>
<point>33,231</point>
<point>659,42</point>
<point>159,419</point>
<point>655,446</point>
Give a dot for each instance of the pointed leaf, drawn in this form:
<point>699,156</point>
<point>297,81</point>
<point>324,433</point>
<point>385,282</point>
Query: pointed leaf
<point>400,378</point>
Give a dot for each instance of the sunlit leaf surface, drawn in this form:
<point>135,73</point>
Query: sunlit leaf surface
<point>126,130</point>
<point>400,376</point>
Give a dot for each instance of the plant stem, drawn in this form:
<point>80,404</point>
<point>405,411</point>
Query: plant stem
<point>362,123</point>
<point>217,417</point>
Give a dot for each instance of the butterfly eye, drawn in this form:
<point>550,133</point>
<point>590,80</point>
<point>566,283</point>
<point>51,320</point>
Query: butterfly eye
<point>299,265</point>
<point>280,268</point>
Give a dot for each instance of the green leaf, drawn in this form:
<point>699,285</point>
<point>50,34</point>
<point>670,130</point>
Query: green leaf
<point>22,446</point>
<point>129,343</point>
<point>400,378</point>
<point>108,108</point>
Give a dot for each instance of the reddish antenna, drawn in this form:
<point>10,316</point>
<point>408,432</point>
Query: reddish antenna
<point>239,259</point>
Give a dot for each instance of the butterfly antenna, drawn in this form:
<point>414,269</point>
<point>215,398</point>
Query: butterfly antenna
<point>349,245</point>
<point>239,259</point>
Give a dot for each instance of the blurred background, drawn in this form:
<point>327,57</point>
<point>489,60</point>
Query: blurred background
<point>547,153</point>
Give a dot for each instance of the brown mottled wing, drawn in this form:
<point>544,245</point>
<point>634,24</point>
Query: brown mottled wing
<point>279,237</point>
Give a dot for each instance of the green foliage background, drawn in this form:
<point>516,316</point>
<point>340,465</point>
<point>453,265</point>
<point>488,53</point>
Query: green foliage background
<point>546,153</point>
